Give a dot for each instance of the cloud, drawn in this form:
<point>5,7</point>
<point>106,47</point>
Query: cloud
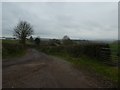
<point>54,20</point>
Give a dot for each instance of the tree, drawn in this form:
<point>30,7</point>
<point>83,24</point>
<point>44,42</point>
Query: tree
<point>37,41</point>
<point>66,37</point>
<point>23,30</point>
<point>66,40</point>
<point>31,39</point>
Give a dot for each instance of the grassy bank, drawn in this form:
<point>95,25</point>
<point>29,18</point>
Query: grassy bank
<point>11,49</point>
<point>114,51</point>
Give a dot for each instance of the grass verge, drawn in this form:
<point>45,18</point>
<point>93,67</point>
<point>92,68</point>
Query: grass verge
<point>12,49</point>
<point>7,55</point>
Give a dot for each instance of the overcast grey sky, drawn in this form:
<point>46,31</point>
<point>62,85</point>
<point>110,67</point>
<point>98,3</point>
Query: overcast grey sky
<point>87,20</point>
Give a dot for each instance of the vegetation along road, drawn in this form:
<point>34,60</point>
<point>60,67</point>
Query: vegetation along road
<point>38,70</point>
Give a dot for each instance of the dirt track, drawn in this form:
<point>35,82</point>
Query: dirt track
<point>38,70</point>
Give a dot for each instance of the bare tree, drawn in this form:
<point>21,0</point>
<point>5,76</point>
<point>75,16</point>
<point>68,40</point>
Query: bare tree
<point>23,30</point>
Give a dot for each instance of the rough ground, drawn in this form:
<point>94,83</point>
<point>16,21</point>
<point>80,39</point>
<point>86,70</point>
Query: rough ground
<point>38,70</point>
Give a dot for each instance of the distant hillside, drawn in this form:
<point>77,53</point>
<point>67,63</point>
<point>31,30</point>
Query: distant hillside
<point>103,41</point>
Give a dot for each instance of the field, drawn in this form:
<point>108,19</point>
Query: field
<point>92,66</point>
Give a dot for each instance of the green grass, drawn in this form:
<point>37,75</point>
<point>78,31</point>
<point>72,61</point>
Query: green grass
<point>10,41</point>
<point>15,41</point>
<point>8,55</point>
<point>114,48</point>
<point>12,49</point>
<point>114,52</point>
